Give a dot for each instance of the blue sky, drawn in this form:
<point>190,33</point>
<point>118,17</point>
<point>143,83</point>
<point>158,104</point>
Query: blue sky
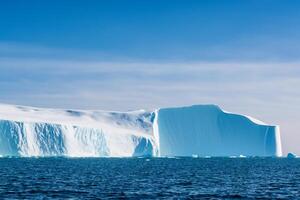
<point>120,55</point>
<point>177,30</point>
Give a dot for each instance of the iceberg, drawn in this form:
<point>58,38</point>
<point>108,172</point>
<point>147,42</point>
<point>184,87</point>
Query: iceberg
<point>206,130</point>
<point>291,155</point>
<point>202,130</point>
<point>28,131</point>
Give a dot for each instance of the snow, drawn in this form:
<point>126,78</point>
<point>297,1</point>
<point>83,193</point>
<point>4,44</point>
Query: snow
<point>30,131</point>
<point>202,130</point>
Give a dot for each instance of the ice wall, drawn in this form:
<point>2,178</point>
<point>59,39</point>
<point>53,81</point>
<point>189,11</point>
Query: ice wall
<point>27,131</point>
<point>206,130</point>
<point>43,139</point>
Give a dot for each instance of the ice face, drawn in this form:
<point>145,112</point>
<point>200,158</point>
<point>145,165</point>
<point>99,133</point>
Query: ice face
<point>26,131</point>
<point>206,130</point>
<point>43,139</point>
<point>203,130</point>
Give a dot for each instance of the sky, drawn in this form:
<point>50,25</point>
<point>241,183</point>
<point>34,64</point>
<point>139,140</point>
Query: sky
<point>123,55</point>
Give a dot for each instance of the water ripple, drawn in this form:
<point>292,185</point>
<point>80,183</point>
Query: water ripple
<point>157,178</point>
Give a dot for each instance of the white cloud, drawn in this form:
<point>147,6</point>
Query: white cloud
<point>266,90</point>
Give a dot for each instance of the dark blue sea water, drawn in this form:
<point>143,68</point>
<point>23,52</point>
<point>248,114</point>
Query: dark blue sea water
<point>153,178</point>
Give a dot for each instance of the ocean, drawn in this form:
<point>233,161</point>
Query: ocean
<point>149,178</point>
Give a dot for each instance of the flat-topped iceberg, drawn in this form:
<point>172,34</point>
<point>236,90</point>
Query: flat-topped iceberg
<point>206,130</point>
<point>203,130</point>
<point>28,131</point>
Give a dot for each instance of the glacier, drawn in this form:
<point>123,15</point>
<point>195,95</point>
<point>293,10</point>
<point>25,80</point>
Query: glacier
<point>202,130</point>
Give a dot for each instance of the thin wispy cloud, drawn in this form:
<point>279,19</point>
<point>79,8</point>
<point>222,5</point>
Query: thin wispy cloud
<point>245,62</point>
<point>267,90</point>
<point>36,75</point>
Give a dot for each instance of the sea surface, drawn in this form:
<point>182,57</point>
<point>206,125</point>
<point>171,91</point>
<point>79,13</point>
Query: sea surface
<point>149,178</point>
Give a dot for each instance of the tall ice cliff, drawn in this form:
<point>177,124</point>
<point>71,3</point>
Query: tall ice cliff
<point>203,130</point>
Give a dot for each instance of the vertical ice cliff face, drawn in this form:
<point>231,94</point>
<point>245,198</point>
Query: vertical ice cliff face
<point>28,131</point>
<point>206,130</point>
<point>42,139</point>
